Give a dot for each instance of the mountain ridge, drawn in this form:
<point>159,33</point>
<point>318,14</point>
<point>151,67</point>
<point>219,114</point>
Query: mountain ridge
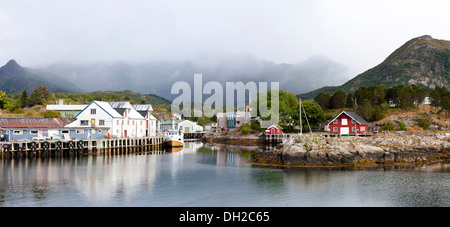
<point>15,78</point>
<point>422,61</point>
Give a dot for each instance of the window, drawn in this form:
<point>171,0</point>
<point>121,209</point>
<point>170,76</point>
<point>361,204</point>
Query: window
<point>344,121</point>
<point>335,121</point>
<point>363,129</point>
<point>93,111</point>
<point>101,122</point>
<point>353,121</point>
<point>18,132</point>
<point>335,129</point>
<point>353,129</point>
<point>80,131</point>
<point>64,131</point>
<point>34,132</point>
<point>84,122</point>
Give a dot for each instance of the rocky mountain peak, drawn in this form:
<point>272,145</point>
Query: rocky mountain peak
<point>11,68</point>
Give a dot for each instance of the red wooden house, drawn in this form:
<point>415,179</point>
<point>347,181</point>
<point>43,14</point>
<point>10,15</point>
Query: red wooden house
<point>274,130</point>
<point>348,123</point>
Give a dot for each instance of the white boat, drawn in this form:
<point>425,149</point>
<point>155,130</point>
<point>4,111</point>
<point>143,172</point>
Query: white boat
<point>174,138</point>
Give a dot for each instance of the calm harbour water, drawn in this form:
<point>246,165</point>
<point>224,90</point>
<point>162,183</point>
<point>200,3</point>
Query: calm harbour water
<point>212,176</point>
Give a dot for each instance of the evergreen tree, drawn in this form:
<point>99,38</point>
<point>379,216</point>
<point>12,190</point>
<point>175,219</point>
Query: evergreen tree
<point>24,99</point>
<point>39,94</point>
<point>350,101</point>
<point>338,99</point>
<point>323,100</point>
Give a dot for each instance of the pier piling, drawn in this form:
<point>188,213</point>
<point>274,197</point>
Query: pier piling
<point>112,146</point>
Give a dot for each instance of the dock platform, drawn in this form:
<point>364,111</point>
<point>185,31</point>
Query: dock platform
<point>80,147</point>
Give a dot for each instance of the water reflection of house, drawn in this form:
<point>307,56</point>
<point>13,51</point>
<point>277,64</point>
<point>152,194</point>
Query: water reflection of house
<point>230,158</point>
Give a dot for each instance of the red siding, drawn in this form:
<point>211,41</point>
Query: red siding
<point>360,128</point>
<point>275,130</point>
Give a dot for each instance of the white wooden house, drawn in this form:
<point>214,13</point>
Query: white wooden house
<point>150,120</point>
<point>118,119</point>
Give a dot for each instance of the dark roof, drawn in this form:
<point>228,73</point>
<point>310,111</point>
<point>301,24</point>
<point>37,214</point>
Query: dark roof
<point>120,110</point>
<point>143,113</point>
<point>34,122</point>
<point>354,116</point>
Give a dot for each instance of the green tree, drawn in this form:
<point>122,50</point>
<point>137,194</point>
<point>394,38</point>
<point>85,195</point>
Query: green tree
<point>365,110</point>
<point>424,123</point>
<point>445,104</point>
<point>12,106</point>
<point>203,120</point>
<point>376,94</point>
<point>323,99</point>
<point>338,99</point>
<point>377,113</point>
<point>24,99</point>
<point>38,95</point>
<point>350,101</point>
<point>3,101</point>
<point>314,113</point>
<point>435,96</point>
<point>52,114</point>
<point>387,126</point>
<point>361,94</point>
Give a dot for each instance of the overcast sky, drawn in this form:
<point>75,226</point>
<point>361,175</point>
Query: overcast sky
<point>357,33</point>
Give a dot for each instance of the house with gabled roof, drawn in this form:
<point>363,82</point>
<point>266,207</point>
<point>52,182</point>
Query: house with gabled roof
<point>12,129</point>
<point>274,130</point>
<point>113,119</point>
<point>150,121</point>
<point>348,123</point>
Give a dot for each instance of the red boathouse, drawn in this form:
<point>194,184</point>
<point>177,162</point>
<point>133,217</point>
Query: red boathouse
<point>274,130</point>
<point>348,123</point>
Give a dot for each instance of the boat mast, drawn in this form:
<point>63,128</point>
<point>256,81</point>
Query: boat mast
<point>300,105</point>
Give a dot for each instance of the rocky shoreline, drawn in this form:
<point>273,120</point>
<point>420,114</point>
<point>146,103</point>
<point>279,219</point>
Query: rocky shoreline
<point>236,139</point>
<point>315,150</point>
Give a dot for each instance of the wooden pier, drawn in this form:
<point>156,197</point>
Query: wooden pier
<point>274,139</point>
<point>193,135</point>
<point>80,147</point>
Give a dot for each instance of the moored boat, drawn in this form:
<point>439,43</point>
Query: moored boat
<point>174,139</point>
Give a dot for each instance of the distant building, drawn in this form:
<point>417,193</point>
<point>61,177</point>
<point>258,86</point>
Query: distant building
<point>274,130</point>
<point>232,119</point>
<point>348,123</point>
<point>67,111</point>
<point>185,126</point>
<point>426,101</point>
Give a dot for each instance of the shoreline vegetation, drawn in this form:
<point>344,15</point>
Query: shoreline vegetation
<point>315,150</point>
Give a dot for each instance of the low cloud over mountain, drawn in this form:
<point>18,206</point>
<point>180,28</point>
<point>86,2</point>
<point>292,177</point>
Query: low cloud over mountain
<point>158,77</point>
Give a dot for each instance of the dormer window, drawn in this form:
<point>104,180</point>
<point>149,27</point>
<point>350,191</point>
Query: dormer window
<point>93,111</point>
